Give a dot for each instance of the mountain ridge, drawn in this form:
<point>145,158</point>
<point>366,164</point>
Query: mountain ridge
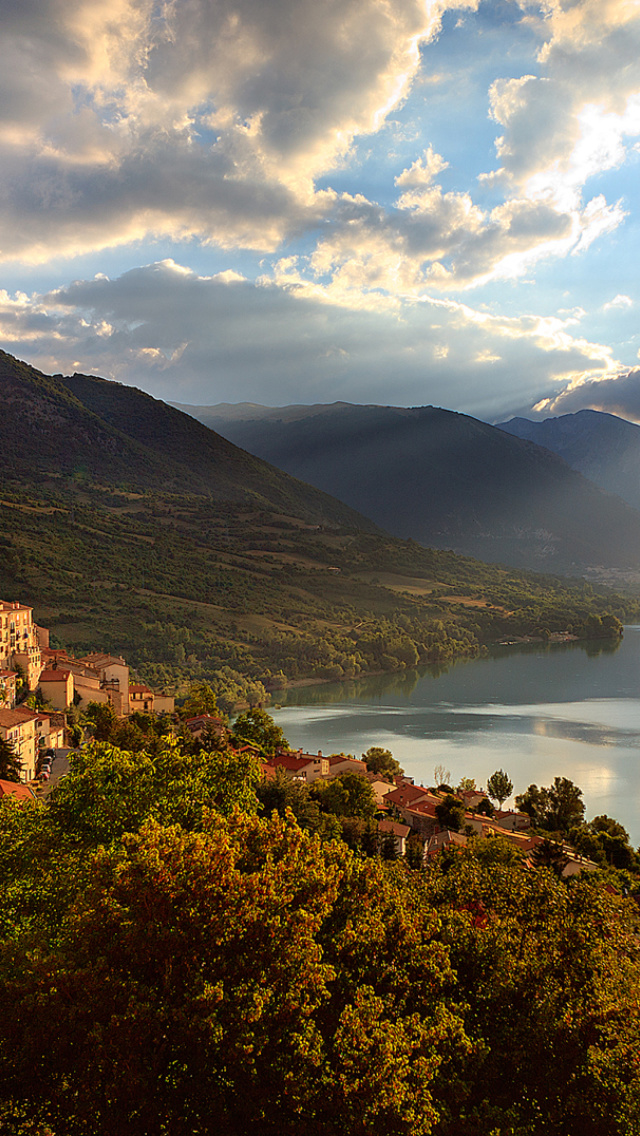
<point>448,480</point>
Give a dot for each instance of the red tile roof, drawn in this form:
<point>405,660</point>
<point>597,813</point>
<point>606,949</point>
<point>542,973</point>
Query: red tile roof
<point>406,795</point>
<point>54,676</point>
<point>16,791</point>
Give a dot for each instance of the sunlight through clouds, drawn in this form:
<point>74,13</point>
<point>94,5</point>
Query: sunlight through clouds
<point>344,161</point>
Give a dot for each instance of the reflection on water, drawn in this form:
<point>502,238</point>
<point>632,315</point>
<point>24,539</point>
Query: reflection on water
<point>536,711</point>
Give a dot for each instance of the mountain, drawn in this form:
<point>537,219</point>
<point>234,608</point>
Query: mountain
<point>603,447</point>
<point>134,529</point>
<point>443,479</point>
<point>86,428</point>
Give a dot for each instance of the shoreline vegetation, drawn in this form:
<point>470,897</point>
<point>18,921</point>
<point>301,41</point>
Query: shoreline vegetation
<point>250,601</point>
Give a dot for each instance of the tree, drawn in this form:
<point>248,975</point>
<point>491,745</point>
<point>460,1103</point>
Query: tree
<point>347,796</point>
<point>450,813</point>
<point>382,762</point>
<point>441,775</point>
<point>200,700</point>
<point>10,764</point>
<point>258,728</point>
<point>555,809</point>
<point>499,787</point>
<point>101,720</point>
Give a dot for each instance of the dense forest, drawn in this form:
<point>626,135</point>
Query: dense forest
<point>177,958</point>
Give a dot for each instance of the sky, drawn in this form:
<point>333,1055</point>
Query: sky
<point>405,202</point>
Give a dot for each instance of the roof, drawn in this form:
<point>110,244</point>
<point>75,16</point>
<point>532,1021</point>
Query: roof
<point>406,795</point>
<point>394,827</point>
<point>56,675</point>
<point>139,688</point>
<point>26,714</point>
<point>100,659</point>
<point>9,718</point>
<point>8,674</point>
<point>293,763</point>
<point>16,790</point>
<point>338,758</point>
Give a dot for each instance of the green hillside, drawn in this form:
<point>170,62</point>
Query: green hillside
<point>133,528</point>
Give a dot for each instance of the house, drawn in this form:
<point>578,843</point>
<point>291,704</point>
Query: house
<point>113,674</point>
<point>510,820</point>
<point>380,788</point>
<point>405,796</point>
<point>57,687</point>
<point>444,839</point>
<point>301,766</point>
<point>206,723</point>
<point>340,763</point>
<point>400,833</point>
<point>18,727</point>
<point>140,698</point>
<point>422,817</point>
<point>50,729</point>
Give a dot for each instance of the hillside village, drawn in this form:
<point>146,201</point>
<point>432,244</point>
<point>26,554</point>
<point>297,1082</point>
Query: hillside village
<point>405,812</point>
<point>29,666</point>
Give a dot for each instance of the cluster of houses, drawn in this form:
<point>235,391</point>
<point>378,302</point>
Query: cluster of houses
<point>411,809</point>
<point>62,681</point>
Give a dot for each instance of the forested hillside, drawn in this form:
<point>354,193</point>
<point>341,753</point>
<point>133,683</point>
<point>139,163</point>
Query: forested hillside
<point>173,960</point>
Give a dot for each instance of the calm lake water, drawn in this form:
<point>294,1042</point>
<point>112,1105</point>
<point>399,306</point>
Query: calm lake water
<point>537,712</point>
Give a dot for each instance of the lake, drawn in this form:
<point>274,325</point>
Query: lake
<point>570,710</point>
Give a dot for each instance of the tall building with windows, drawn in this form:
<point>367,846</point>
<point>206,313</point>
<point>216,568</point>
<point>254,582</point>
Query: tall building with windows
<point>19,643</point>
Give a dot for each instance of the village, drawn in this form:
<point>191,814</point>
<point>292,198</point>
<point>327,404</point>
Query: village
<point>54,681</point>
<point>39,686</point>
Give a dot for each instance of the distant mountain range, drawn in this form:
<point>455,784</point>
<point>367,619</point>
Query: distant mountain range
<point>444,479</point>
<point>603,447</point>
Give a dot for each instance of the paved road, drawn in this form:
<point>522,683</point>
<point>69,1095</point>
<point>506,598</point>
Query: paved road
<point>59,768</point>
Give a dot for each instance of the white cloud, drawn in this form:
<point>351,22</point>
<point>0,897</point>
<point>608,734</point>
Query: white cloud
<point>123,118</point>
<point>619,301</point>
<point>184,337</point>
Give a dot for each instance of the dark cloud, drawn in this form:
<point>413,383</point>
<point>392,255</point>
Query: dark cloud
<point>620,395</point>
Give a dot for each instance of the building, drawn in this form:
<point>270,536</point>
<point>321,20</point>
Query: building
<point>400,832</point>
<point>14,791</point>
<point>140,698</point>
<point>113,674</point>
<point>18,727</point>
<point>19,642</point>
<point>301,766</point>
<point>57,687</point>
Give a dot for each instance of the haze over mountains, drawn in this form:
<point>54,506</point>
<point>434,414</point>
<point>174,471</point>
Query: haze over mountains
<point>603,447</point>
<point>444,479</point>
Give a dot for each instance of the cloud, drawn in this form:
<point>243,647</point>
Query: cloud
<point>619,395</point>
<point>207,339</point>
<point>619,301</point>
<point>124,118</point>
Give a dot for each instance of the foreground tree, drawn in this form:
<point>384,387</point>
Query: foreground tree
<point>499,787</point>
<point>10,764</point>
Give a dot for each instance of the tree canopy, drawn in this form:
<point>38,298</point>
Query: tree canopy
<point>178,955</point>
<point>382,762</point>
